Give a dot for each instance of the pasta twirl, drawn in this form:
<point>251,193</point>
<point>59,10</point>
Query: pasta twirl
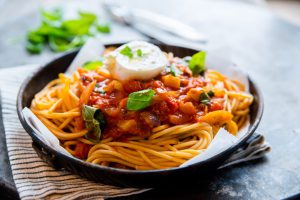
<point>171,118</point>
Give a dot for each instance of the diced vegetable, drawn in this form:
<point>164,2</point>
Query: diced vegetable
<point>218,117</point>
<point>187,108</point>
<point>232,127</point>
<point>126,125</point>
<point>178,119</point>
<point>194,93</point>
<point>171,81</point>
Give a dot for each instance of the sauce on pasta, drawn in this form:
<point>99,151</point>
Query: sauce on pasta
<point>156,123</point>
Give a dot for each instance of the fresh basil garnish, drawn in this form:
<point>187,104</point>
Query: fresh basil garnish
<point>94,122</point>
<point>197,62</point>
<point>126,51</point>
<point>210,93</point>
<point>34,48</point>
<point>92,65</point>
<point>206,97</point>
<point>140,100</point>
<point>52,15</point>
<point>175,71</point>
<point>139,53</point>
<point>103,28</point>
<point>63,35</point>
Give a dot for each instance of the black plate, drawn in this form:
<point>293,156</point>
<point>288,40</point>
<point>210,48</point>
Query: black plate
<point>121,177</point>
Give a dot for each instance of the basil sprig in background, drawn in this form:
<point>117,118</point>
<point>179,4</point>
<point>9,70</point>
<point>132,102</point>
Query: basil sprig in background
<point>62,35</point>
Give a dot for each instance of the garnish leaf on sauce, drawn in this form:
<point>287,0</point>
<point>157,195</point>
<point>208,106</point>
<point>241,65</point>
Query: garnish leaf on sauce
<point>210,93</point>
<point>126,51</point>
<point>206,97</point>
<point>92,65</point>
<point>197,62</point>
<point>175,71</point>
<point>140,100</point>
<point>94,122</point>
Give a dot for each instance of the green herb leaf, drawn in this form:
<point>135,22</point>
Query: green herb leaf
<point>62,35</point>
<point>52,15</point>
<point>76,26</point>
<point>197,62</point>
<point>204,98</point>
<point>58,44</point>
<point>48,30</point>
<point>34,48</point>
<point>103,28</point>
<point>92,65</point>
<point>211,94</point>
<point>175,71</point>
<point>140,100</point>
<point>94,122</point>
<point>126,51</point>
<point>88,17</point>
<point>139,52</point>
<point>35,37</point>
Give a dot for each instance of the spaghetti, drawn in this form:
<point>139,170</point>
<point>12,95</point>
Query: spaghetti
<point>174,128</point>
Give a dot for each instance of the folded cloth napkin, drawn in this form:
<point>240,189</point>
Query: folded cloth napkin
<point>34,179</point>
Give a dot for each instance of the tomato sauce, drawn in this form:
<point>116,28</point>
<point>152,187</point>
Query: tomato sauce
<point>172,103</point>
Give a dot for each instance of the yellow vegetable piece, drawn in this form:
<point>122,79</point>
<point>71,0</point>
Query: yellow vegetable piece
<point>232,127</point>
<point>219,117</point>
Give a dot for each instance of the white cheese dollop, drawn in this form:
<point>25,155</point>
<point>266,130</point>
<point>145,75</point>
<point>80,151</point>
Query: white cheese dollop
<point>150,64</point>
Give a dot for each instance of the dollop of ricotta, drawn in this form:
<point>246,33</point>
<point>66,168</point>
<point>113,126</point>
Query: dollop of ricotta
<point>144,61</point>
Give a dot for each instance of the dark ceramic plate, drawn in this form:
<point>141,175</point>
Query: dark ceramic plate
<point>120,177</point>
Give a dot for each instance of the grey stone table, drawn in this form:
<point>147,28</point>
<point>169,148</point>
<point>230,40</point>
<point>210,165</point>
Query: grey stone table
<point>267,47</point>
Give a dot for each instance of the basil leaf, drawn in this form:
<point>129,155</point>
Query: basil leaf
<point>35,37</point>
<point>211,94</point>
<point>48,30</point>
<point>103,28</point>
<point>139,52</point>
<point>62,35</point>
<point>92,65</point>
<point>197,62</point>
<point>94,122</point>
<point>34,48</point>
<point>140,100</point>
<point>52,15</point>
<point>204,98</point>
<point>88,17</point>
<point>126,51</point>
<point>76,26</point>
<point>175,71</point>
<point>58,44</point>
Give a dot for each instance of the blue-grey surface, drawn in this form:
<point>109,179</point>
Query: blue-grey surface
<point>267,47</point>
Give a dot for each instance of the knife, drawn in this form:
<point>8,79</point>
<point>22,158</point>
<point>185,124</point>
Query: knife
<point>133,17</point>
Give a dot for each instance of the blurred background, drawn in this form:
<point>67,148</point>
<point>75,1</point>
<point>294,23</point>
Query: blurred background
<point>211,18</point>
